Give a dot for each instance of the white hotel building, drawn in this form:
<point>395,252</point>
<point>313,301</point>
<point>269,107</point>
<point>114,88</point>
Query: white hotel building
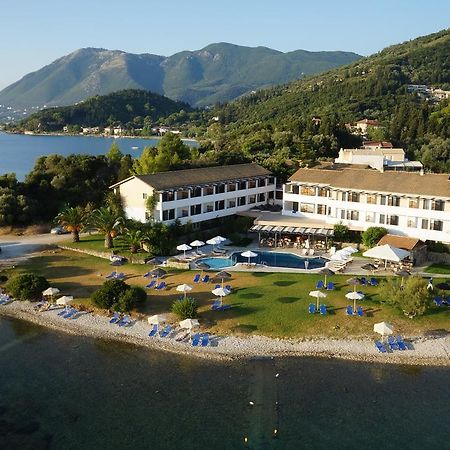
<point>405,203</point>
<point>196,195</point>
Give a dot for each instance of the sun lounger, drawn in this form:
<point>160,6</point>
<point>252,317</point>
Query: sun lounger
<point>216,305</point>
<point>393,345</point>
<point>182,336</point>
<point>224,307</point>
<point>205,279</point>
<point>197,278</point>
<point>111,275</point>
<point>166,331</point>
<point>195,339</point>
<point>153,331</point>
<point>4,300</point>
<point>330,286</point>
<point>438,301</point>
<point>115,318</point>
<point>312,308</point>
<point>71,314</point>
<point>401,343</point>
<point>161,286</point>
<point>63,312</point>
<point>373,282</point>
<point>381,348</point>
<point>363,281</point>
<point>349,310</point>
<point>120,276</point>
<point>319,284</point>
<point>228,287</point>
<point>323,309</point>
<point>217,286</point>
<point>147,275</point>
<point>151,285</point>
<point>205,340</point>
<point>125,321</point>
<point>359,311</point>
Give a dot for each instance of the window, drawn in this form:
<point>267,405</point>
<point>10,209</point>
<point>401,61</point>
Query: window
<point>242,201</point>
<point>242,185</point>
<point>353,197</point>
<point>251,184</point>
<point>437,205</point>
<point>208,190</point>
<point>208,207</point>
<point>371,199</point>
<point>370,217</point>
<point>261,182</point>
<point>144,196</point>
<point>436,225</point>
<point>196,209</point>
<point>262,197</point>
<point>196,192</point>
<point>424,224</point>
<point>425,203</point>
<point>251,199</point>
<point>169,214</point>
<point>168,196</point>
<point>352,215</point>
<point>220,205</point>
<point>393,220</point>
<point>220,189</point>
<point>271,180</point>
<point>308,190</point>
<point>413,202</point>
<point>231,187</point>
<point>342,213</point>
<point>278,195</point>
<point>321,209</point>
<point>411,222</point>
<point>382,218</point>
<point>393,200</point>
<point>181,195</point>
<point>307,208</point>
<point>294,207</point>
<point>382,201</point>
<point>323,192</point>
<point>231,203</point>
<point>183,212</point>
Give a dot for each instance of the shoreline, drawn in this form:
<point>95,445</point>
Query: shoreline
<point>426,352</point>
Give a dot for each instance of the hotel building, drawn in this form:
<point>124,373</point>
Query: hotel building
<point>405,203</point>
<point>196,195</point>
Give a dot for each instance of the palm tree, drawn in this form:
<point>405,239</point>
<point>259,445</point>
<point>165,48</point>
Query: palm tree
<point>132,239</point>
<point>106,221</point>
<point>73,219</point>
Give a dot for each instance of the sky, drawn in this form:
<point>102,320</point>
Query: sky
<point>34,33</point>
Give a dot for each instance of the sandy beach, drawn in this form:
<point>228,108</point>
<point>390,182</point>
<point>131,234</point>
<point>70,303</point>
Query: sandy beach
<point>422,351</point>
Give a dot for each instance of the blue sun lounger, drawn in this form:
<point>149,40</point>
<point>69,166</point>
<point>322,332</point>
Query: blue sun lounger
<point>197,278</point>
<point>228,287</point>
<point>359,311</point>
<point>195,339</point>
<point>147,275</point>
<point>381,348</point>
<point>151,285</point>
<point>363,281</point>
<point>438,301</point>
<point>64,311</point>
<point>166,331</point>
<point>153,331</point>
<point>205,279</point>
<point>111,275</point>
<point>349,310</point>
<point>125,321</point>
<point>319,284</point>
<point>71,314</point>
<point>224,307</point>
<point>120,276</point>
<point>373,282</point>
<point>161,286</point>
<point>217,286</point>
<point>393,345</point>
<point>323,309</point>
<point>216,305</point>
<point>205,340</point>
<point>115,318</point>
<point>401,343</point>
<point>312,308</point>
<point>330,286</point>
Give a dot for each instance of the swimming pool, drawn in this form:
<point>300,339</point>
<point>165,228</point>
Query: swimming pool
<point>272,259</point>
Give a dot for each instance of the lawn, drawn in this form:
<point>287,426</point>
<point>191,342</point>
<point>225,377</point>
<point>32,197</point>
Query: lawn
<point>273,304</point>
<point>439,268</point>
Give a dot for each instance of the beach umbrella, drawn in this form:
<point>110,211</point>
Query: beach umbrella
<point>64,300</point>
<point>157,319</point>
<point>220,292</point>
<point>50,292</point>
<point>387,253</point>
<point>184,288</point>
<point>326,271</point>
<point>443,286</point>
<point>222,275</point>
<point>354,282</point>
<point>403,273</point>
<point>154,261</point>
<point>317,295</point>
<point>189,323</point>
<point>202,266</point>
<point>354,296</point>
<point>196,244</point>
<point>158,272</point>
<point>183,248</point>
<point>249,254</point>
<point>220,239</point>
<point>383,328</point>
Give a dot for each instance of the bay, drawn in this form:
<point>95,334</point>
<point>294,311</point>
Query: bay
<point>18,152</point>
<point>68,392</point>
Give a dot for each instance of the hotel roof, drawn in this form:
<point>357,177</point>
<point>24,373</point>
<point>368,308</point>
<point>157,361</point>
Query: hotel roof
<point>428,184</point>
<point>203,175</point>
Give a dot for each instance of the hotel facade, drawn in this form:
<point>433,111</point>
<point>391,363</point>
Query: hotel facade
<point>405,203</point>
<point>196,195</point>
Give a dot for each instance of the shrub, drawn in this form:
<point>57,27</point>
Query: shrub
<point>438,247</point>
<point>3,278</point>
<point>27,286</point>
<point>372,235</point>
<point>185,309</point>
<point>341,232</point>
<point>117,295</point>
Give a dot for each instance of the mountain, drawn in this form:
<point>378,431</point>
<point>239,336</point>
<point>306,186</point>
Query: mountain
<point>132,106</point>
<point>216,73</point>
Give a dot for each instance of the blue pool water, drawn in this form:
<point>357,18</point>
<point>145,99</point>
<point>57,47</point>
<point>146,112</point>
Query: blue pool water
<point>272,259</point>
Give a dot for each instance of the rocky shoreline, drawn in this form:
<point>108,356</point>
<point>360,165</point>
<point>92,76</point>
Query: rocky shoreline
<point>430,352</point>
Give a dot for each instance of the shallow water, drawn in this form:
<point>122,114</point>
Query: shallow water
<point>67,392</point>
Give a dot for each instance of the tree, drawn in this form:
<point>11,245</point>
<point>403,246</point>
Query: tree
<point>132,239</point>
<point>114,154</point>
<point>410,295</point>
<point>372,235</point>
<point>73,219</point>
<point>106,221</point>
<point>185,308</point>
<point>341,232</point>
<point>27,286</point>
<point>118,295</point>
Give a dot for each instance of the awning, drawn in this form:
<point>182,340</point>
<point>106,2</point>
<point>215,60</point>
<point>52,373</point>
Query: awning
<point>267,228</point>
<point>256,227</point>
<point>278,229</point>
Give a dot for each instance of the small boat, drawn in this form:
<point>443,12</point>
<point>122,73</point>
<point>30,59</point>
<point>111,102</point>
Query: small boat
<point>134,148</point>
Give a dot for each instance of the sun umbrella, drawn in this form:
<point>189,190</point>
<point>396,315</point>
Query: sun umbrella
<point>220,292</point>
<point>220,239</point>
<point>370,267</point>
<point>185,288</point>
<point>443,286</point>
<point>158,272</point>
<point>64,300</point>
<point>383,328</point>
<point>354,282</point>
<point>222,275</point>
<point>189,323</point>
<point>326,271</point>
<point>153,261</point>
<point>317,295</point>
<point>196,243</point>
<point>157,319</point>
<point>249,254</point>
<point>354,296</point>
<point>403,273</point>
<point>184,247</point>
<point>50,292</point>
<point>387,253</point>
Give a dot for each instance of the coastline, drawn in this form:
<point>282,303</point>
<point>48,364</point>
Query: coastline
<point>426,352</point>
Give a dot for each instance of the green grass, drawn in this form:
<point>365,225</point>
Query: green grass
<point>438,268</point>
<point>272,304</point>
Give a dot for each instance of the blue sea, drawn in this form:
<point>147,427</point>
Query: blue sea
<point>19,152</point>
<point>68,392</point>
